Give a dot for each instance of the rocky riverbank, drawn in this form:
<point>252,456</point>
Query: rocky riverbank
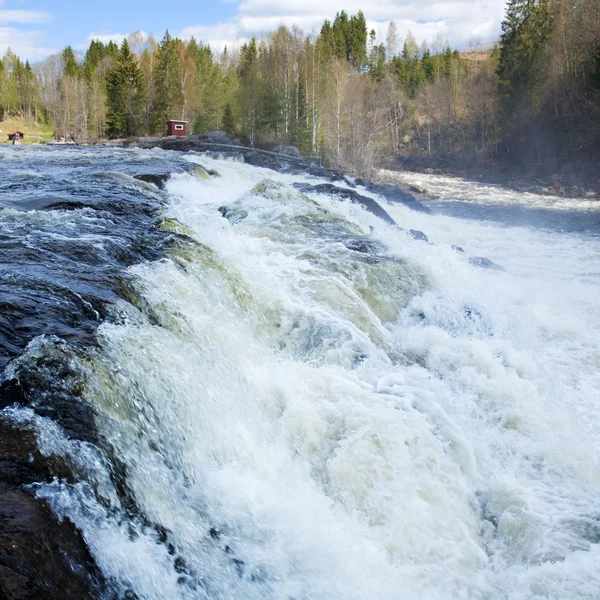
<point>576,179</point>
<point>284,159</point>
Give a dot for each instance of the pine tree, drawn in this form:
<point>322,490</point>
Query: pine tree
<point>229,121</point>
<point>249,89</point>
<point>70,64</point>
<point>525,30</point>
<point>94,54</point>
<point>357,40</point>
<point>326,42</point>
<point>340,35</point>
<point>125,95</point>
<point>167,84</point>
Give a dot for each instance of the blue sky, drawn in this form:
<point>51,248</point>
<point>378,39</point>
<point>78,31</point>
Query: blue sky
<point>36,28</point>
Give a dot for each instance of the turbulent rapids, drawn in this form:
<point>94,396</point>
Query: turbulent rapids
<point>240,385</point>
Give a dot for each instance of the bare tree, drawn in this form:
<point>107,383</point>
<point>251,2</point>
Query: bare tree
<point>392,39</point>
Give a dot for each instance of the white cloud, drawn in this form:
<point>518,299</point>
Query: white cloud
<point>104,38</point>
<point>218,36</point>
<point>25,44</point>
<point>454,20</point>
<point>17,16</point>
<point>138,44</point>
<point>23,16</point>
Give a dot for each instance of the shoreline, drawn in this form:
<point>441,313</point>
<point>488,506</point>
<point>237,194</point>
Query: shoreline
<point>571,181</point>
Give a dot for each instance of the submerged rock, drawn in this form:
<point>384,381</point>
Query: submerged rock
<point>485,263</point>
<point>345,194</point>
<point>158,180</point>
<point>353,196</point>
<point>233,215</point>
<point>395,194</point>
<point>418,235</point>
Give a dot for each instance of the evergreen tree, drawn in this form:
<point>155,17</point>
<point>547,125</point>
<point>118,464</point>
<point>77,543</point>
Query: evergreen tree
<point>326,42</point>
<point>167,85</point>
<point>525,30</point>
<point>112,49</point>
<point>427,63</point>
<point>249,92</point>
<point>229,121</point>
<point>341,36</point>
<point>377,59</point>
<point>125,95</point>
<point>94,54</point>
<point>357,40</point>
<point>69,61</point>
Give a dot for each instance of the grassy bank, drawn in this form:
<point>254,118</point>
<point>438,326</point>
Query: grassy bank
<point>35,133</point>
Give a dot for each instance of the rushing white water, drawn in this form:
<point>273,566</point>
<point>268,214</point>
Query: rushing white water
<point>309,421</point>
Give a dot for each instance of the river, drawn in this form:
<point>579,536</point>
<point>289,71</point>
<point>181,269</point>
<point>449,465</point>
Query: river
<point>240,391</point>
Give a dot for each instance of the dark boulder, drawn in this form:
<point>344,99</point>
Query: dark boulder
<point>395,194</point>
<point>40,556</point>
<point>232,215</point>
<point>158,180</point>
<point>345,194</point>
<point>485,263</point>
<point>418,235</point>
<point>216,137</point>
<point>287,151</point>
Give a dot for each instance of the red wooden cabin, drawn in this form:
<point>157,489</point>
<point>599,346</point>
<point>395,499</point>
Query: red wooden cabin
<point>16,136</point>
<point>177,127</point>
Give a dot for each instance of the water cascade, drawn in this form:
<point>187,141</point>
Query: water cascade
<point>237,389</point>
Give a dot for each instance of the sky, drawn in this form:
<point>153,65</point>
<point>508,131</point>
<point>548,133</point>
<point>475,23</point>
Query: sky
<point>34,29</point>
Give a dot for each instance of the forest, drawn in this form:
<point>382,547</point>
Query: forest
<point>341,95</point>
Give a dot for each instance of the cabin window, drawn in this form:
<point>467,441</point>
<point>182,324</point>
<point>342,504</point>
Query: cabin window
<point>178,127</point>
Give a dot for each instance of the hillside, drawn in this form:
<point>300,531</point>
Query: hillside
<point>35,133</point>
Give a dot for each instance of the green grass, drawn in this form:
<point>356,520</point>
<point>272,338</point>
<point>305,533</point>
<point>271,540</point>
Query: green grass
<point>35,133</point>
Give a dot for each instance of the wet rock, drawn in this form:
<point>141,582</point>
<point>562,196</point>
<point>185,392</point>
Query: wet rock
<point>158,180</point>
<point>201,172</point>
<point>224,155</point>
<point>41,557</point>
<point>363,245</point>
<point>50,379</point>
<point>279,162</point>
<point>178,142</point>
<point>232,215</point>
<point>216,137</point>
<point>345,194</point>
<point>485,263</point>
<point>418,235</point>
<point>395,194</point>
<point>287,151</point>
<point>283,159</point>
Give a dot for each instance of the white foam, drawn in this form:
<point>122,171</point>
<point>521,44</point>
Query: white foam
<point>448,451</point>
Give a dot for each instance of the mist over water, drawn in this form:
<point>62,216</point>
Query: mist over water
<point>296,400</point>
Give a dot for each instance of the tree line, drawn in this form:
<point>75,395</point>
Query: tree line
<point>339,95</point>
